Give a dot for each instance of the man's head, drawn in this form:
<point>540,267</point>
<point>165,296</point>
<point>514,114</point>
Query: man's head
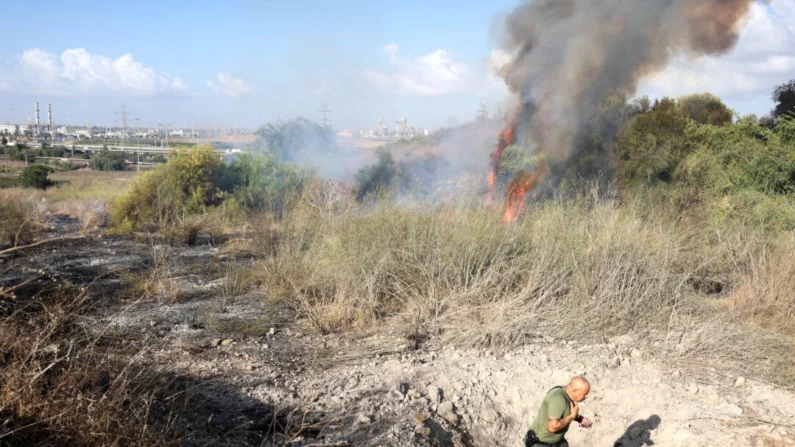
<point>578,389</point>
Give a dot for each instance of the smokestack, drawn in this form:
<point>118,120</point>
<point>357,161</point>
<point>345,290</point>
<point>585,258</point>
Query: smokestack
<point>49,119</point>
<point>38,123</point>
<point>568,56</point>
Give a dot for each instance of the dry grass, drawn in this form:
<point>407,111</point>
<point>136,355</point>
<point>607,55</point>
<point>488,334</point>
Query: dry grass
<point>237,280</point>
<point>20,220</point>
<point>587,268</point>
<point>764,271</point>
<point>80,194</point>
<point>60,385</point>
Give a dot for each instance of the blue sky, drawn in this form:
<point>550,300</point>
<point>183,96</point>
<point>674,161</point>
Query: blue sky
<point>249,62</point>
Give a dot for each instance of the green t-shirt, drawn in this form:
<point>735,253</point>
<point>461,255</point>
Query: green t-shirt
<point>556,404</point>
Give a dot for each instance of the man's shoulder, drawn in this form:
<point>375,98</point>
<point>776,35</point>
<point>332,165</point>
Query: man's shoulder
<point>558,391</point>
<point>557,394</point>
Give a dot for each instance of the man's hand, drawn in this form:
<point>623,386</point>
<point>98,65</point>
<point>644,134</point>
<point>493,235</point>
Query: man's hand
<point>575,410</point>
<point>586,423</point>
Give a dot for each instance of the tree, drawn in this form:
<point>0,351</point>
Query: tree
<point>294,140</point>
<point>36,177</point>
<point>4,141</point>
<point>650,147</point>
<point>107,161</point>
<point>382,175</point>
<point>705,108</point>
<point>784,97</point>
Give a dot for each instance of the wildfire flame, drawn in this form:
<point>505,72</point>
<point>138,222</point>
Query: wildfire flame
<point>507,138</point>
<point>523,182</point>
<point>518,189</point>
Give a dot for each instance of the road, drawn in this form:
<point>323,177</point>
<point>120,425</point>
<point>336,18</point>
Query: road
<point>133,149</point>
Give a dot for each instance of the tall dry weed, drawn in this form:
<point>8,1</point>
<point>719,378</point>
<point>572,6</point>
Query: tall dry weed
<point>60,385</point>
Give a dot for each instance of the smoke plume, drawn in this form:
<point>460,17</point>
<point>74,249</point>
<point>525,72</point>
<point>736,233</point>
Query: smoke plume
<point>568,55</point>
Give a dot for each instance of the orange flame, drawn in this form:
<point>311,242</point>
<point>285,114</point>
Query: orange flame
<point>506,139</point>
<point>518,189</point>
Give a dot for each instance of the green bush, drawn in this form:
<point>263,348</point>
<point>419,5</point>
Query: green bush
<point>194,181</point>
<point>651,146</point>
<point>385,174</point>
<point>186,185</point>
<point>21,153</point>
<point>769,212</point>
<point>292,140</point>
<point>106,160</point>
<point>733,158</point>
<point>35,176</point>
<point>262,183</point>
<point>705,108</point>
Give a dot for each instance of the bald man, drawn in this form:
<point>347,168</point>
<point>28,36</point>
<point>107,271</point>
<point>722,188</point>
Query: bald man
<point>558,410</point>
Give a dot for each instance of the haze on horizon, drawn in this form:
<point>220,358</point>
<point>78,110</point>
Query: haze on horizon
<point>245,63</point>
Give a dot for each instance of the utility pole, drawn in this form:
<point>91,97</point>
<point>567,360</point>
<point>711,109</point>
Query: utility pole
<point>325,121</point>
<point>483,114</point>
<point>137,146</point>
<point>166,126</point>
<point>123,114</point>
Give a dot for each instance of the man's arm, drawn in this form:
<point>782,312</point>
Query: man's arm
<point>556,424</point>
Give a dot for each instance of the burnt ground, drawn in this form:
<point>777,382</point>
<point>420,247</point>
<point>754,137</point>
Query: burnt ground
<point>257,376</point>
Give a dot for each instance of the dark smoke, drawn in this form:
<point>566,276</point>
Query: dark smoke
<point>570,54</point>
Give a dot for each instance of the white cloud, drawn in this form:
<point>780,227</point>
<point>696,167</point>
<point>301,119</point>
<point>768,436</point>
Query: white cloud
<point>78,72</point>
<point>438,73</point>
<point>230,86</point>
<point>763,58</point>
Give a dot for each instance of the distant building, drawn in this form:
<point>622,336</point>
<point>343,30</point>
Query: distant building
<point>9,129</point>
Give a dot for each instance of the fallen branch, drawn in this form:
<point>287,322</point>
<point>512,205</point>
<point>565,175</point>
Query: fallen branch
<point>41,242</point>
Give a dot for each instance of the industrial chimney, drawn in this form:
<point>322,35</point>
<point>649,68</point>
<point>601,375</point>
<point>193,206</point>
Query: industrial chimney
<point>38,123</point>
<point>49,120</point>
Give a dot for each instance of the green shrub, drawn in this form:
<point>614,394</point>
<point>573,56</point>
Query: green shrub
<point>294,139</point>
<point>732,158</point>
<point>383,175</point>
<point>21,153</point>
<point>705,108</point>
<point>768,212</point>
<point>35,176</point>
<point>650,148</point>
<point>186,185</point>
<point>106,160</point>
<point>262,183</point>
